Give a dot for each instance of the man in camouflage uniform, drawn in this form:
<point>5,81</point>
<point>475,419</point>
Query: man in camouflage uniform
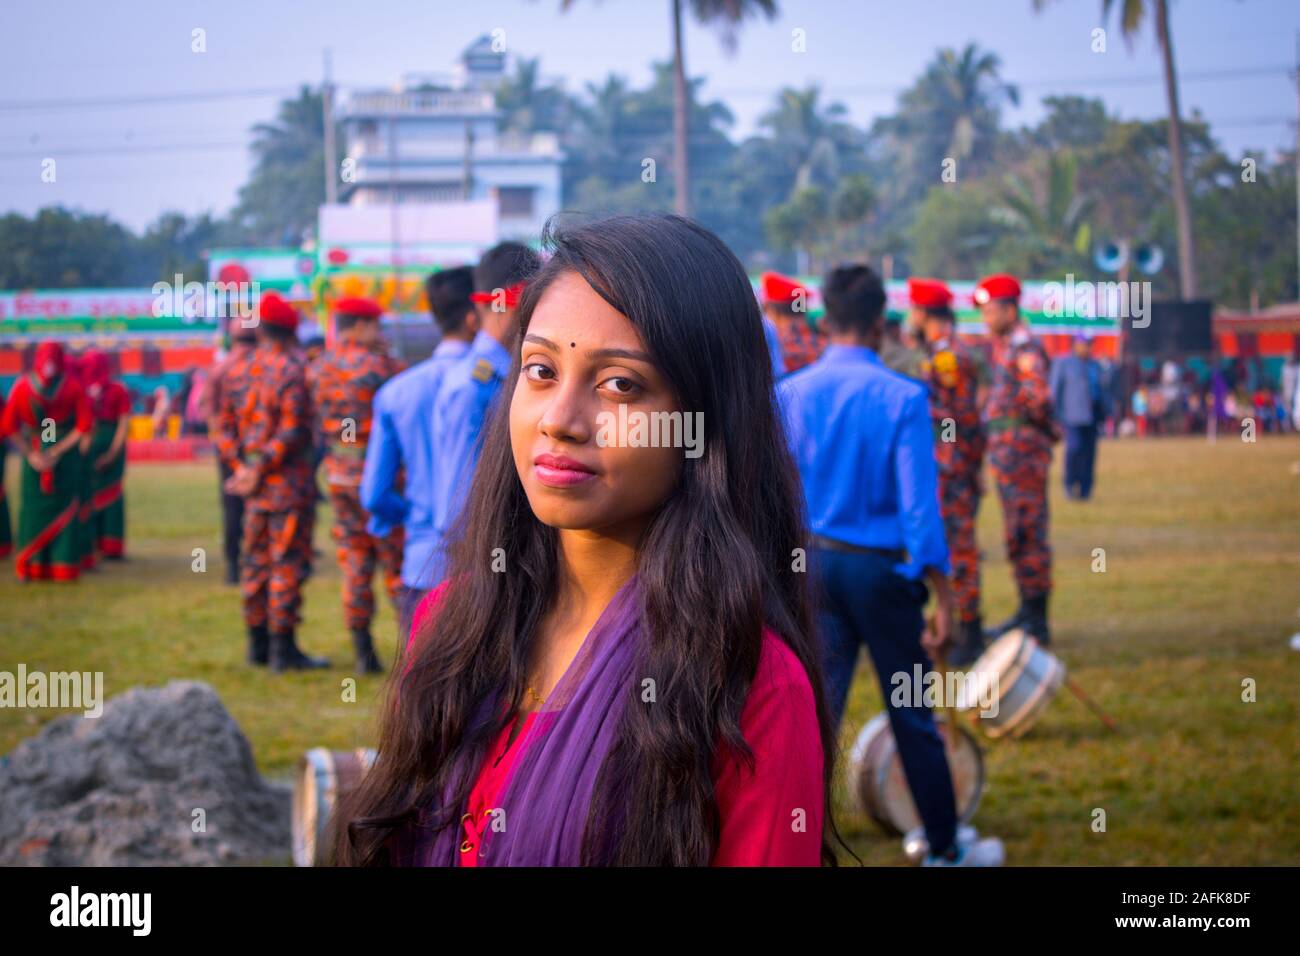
<point>1021,432</point>
<point>903,349</point>
<point>785,305</point>
<point>226,391</point>
<point>342,383</point>
<point>273,475</point>
<point>955,374</point>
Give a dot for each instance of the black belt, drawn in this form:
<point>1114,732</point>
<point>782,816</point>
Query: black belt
<point>831,544</point>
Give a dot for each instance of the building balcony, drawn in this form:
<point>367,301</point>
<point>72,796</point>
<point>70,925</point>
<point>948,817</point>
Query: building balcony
<point>381,103</point>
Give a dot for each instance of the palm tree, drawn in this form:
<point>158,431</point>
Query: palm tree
<point>1131,15</point>
<point>949,113</point>
<point>727,15</point>
<point>812,136</point>
<point>967,87</point>
<point>526,105</point>
<point>1053,228</point>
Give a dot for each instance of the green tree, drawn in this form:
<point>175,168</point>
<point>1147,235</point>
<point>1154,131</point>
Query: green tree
<point>954,231</point>
<point>727,15</point>
<point>809,139</point>
<point>60,249</point>
<point>279,203</point>
<point>1132,14</point>
<point>527,105</point>
<point>1050,231</point>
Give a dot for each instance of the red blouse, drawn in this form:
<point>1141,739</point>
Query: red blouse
<point>770,815</point>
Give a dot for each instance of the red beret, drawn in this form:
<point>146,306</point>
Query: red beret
<point>360,307</point>
<point>273,310</point>
<point>1000,286</point>
<point>779,288</point>
<point>929,293</point>
<point>512,294</point>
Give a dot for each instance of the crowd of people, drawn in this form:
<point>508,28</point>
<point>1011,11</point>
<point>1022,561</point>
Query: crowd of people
<point>833,508</point>
<point>67,420</point>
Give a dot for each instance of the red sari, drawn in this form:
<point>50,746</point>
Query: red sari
<point>48,539</point>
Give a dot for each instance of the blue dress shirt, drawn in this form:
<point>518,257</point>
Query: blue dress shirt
<point>401,438</point>
<point>774,347</point>
<point>864,445</point>
<point>464,403</point>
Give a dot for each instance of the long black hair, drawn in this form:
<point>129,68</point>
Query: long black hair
<point>715,565</point>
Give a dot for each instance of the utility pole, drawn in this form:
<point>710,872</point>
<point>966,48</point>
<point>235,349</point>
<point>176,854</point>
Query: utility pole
<point>327,107</point>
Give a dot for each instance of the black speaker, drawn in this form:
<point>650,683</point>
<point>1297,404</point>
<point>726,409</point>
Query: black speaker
<point>1175,327</point>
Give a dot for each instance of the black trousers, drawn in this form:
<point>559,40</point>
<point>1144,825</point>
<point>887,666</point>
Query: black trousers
<point>232,518</point>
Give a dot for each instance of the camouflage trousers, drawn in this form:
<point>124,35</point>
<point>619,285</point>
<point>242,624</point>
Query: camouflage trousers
<point>1022,486</point>
<point>960,502</point>
<point>272,567</point>
<point>358,553</point>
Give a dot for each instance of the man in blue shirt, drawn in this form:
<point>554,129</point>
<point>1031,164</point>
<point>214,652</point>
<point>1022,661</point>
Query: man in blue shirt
<point>469,390</point>
<point>864,445</point>
<point>1080,404</point>
<point>401,441</point>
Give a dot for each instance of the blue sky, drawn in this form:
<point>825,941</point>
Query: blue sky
<point>135,160</point>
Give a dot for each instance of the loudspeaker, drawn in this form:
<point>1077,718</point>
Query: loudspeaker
<point>1176,327</point>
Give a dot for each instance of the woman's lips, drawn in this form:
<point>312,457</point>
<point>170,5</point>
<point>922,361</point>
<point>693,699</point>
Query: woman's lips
<point>558,471</point>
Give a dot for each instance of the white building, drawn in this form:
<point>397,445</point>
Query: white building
<point>435,140</point>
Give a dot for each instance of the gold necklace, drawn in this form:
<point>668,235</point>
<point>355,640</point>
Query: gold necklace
<point>536,696</point>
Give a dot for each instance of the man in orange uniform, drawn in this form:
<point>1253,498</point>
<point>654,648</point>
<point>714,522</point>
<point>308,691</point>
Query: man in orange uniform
<point>342,383</point>
<point>273,475</point>
<point>226,392</point>
<point>954,374</point>
<point>1021,429</point>
<point>785,304</point>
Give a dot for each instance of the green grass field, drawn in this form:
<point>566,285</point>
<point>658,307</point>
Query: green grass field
<point>1201,590</point>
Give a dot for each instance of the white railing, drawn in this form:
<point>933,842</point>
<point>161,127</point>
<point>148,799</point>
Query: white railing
<point>447,101</point>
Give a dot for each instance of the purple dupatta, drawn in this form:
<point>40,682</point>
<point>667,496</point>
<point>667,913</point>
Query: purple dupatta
<point>545,800</point>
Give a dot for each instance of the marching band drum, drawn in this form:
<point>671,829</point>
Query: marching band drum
<point>324,777</point>
<point>1021,676</point>
<point>880,785</point>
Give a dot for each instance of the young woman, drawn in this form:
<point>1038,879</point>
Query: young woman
<point>45,417</point>
<point>106,455</point>
<point>619,668</point>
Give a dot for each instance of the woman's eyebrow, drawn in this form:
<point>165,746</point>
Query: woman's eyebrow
<point>595,353</point>
<point>530,337</point>
<point>621,353</point>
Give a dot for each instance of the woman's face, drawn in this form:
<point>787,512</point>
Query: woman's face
<point>581,359</point>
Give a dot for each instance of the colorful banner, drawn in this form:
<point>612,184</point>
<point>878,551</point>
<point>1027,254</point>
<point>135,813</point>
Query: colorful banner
<point>113,313</point>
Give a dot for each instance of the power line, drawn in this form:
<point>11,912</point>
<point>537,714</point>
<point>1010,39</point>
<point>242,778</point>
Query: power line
<point>111,102</point>
<point>160,99</point>
<point>53,152</point>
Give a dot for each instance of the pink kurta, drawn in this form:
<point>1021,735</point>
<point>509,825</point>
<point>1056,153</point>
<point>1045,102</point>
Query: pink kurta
<point>770,815</point>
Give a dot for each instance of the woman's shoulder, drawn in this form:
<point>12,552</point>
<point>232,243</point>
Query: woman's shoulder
<point>780,704</point>
<point>424,610</point>
<point>779,669</point>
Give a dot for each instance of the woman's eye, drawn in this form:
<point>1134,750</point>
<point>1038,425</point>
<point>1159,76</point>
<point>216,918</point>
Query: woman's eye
<point>538,372</point>
<point>621,386</point>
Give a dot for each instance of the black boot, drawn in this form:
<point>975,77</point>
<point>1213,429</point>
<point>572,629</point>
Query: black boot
<point>969,644</point>
<point>1035,623</point>
<point>286,656</point>
<point>364,645</point>
<point>259,645</point>
<point>1010,624</point>
<point>232,572</point>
